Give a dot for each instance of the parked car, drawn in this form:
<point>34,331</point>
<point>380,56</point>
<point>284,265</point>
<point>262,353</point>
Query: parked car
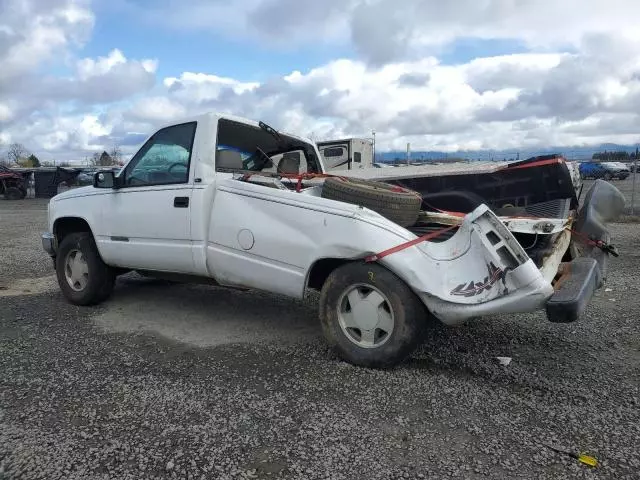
<point>604,170</point>
<point>235,203</point>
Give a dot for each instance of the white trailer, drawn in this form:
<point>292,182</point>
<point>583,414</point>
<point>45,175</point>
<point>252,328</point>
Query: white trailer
<point>347,153</point>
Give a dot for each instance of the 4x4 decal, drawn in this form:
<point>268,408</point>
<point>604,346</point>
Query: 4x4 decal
<point>473,288</point>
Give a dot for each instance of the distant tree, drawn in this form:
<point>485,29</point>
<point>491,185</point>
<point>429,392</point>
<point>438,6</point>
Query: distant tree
<point>116,155</point>
<point>16,152</point>
<point>33,161</point>
<point>102,160</point>
<point>618,156</point>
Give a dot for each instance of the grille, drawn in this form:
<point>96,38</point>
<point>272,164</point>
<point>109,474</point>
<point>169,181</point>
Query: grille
<point>558,208</point>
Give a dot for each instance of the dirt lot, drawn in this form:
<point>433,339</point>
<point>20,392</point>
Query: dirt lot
<point>170,381</point>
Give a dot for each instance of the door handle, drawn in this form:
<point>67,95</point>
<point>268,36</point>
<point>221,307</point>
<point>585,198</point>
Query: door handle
<point>181,202</point>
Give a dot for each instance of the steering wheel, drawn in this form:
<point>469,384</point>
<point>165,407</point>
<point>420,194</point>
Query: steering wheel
<point>178,164</point>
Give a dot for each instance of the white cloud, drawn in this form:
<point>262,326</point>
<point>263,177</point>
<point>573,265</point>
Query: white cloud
<point>34,31</point>
<point>88,67</point>
<point>384,31</point>
<point>5,113</point>
<point>507,101</point>
<point>156,109</point>
<point>578,83</point>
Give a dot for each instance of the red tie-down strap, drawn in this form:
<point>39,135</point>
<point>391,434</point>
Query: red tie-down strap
<point>372,258</point>
<point>306,176</point>
<point>410,243</point>
<point>295,176</point>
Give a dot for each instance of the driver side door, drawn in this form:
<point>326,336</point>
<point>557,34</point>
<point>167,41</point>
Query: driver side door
<point>147,220</point>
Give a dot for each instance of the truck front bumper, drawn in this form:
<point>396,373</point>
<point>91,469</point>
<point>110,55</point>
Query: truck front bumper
<point>49,243</point>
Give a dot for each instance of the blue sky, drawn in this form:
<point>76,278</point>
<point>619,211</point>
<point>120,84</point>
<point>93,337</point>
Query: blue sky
<point>207,51</point>
<point>200,51</point>
<point>498,74</point>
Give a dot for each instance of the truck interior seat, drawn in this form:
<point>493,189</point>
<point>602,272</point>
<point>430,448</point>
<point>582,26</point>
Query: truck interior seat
<point>290,163</point>
<point>229,159</point>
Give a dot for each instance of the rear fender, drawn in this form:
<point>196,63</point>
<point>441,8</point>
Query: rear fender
<point>482,261</point>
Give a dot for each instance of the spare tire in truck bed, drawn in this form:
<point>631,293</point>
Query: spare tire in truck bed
<point>398,204</point>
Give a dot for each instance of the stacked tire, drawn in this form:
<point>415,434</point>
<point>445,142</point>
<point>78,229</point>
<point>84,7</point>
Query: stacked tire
<point>398,204</point>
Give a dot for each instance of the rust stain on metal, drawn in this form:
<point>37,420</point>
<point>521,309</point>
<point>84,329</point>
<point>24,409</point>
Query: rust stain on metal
<point>564,273</point>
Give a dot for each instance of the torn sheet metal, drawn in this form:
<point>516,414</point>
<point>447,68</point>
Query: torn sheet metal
<point>542,226</point>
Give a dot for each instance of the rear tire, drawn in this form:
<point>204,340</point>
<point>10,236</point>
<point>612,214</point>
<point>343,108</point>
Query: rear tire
<point>82,275</point>
<point>369,316</point>
<point>13,193</point>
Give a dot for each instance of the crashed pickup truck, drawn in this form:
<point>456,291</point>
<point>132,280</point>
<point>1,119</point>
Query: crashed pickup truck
<point>232,202</point>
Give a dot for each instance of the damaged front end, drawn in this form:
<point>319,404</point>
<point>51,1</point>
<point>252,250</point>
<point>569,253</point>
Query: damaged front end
<point>513,261</point>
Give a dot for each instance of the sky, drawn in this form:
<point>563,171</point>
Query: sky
<point>81,76</point>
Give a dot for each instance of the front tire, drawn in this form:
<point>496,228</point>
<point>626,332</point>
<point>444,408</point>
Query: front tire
<point>82,275</point>
<point>369,316</point>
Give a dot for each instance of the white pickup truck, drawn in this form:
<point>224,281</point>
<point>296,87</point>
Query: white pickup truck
<point>233,202</point>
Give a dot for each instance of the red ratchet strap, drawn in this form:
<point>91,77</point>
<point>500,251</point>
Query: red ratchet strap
<point>411,243</point>
<point>306,176</point>
<point>294,176</point>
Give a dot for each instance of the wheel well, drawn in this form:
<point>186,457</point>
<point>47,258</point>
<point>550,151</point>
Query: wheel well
<point>64,226</point>
<point>321,270</point>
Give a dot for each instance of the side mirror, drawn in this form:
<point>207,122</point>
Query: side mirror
<point>105,179</point>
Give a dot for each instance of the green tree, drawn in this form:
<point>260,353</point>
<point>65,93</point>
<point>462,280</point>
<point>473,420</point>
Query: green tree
<point>33,161</point>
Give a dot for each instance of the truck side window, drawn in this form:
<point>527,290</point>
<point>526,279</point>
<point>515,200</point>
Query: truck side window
<point>164,159</point>
<point>357,157</point>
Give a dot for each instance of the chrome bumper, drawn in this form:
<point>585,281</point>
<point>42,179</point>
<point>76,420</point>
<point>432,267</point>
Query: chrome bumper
<point>49,243</point>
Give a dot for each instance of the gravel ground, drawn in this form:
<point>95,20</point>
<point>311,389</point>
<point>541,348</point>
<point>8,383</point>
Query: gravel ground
<point>194,382</point>
<point>20,226</point>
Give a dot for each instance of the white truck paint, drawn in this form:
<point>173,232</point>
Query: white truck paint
<point>186,207</point>
<point>347,153</point>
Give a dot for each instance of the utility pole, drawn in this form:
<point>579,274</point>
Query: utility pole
<point>373,132</point>
<point>633,190</point>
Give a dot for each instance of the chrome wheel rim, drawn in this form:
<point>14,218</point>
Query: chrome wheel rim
<point>76,270</point>
<point>365,316</point>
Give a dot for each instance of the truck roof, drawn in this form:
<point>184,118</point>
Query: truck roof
<point>212,115</point>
